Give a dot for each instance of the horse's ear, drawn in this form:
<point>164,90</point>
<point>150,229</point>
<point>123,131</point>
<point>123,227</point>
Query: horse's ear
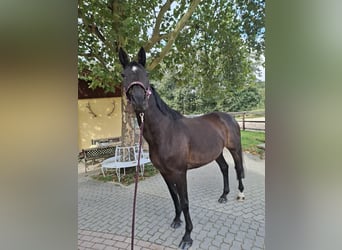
<point>142,56</point>
<point>123,57</point>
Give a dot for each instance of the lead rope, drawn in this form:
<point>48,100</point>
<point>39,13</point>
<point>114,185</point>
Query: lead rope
<point>137,178</point>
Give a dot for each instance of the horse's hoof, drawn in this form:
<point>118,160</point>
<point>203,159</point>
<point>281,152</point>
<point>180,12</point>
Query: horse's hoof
<point>176,224</point>
<point>241,197</point>
<point>185,244</point>
<point>222,200</point>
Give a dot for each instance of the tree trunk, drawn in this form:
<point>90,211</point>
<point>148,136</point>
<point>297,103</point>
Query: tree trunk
<point>127,125</point>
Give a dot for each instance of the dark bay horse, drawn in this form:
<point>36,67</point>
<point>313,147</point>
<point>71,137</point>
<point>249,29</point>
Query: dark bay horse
<point>177,143</point>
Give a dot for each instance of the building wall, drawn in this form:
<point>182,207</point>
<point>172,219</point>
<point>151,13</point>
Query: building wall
<point>101,126</point>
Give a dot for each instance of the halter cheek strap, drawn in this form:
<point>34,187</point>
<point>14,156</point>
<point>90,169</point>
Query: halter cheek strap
<point>148,91</point>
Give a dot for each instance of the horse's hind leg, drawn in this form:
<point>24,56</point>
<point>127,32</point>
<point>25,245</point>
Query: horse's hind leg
<point>240,173</point>
<point>224,169</point>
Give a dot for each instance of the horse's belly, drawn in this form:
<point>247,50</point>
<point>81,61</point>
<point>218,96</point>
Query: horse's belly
<point>192,165</point>
<point>203,155</point>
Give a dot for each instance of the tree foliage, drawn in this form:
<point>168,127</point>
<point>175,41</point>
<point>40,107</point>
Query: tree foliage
<point>206,46</point>
<point>180,36</point>
<point>190,99</point>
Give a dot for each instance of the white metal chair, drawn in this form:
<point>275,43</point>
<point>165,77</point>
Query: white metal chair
<point>125,157</point>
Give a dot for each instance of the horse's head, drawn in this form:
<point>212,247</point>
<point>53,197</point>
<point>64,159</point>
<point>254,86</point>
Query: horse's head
<point>135,80</point>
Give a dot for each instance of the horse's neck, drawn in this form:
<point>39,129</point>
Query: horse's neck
<point>155,125</point>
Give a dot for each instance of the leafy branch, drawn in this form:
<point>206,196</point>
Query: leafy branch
<point>156,36</point>
<point>173,35</point>
<point>92,28</point>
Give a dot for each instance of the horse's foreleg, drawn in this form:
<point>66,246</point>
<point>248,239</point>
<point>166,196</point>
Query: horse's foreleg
<point>176,223</point>
<point>224,169</point>
<point>181,187</point>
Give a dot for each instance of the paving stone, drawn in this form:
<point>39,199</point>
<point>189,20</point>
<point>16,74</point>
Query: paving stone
<point>225,246</point>
<point>97,240</point>
<point>234,228</point>
<point>112,248</point>
<point>213,247</point>
<point>205,244</point>
<point>99,246</point>
<point>87,238</point>
<point>105,209</point>
<point>121,244</point>
<point>109,242</point>
<point>212,234</point>
<point>257,248</point>
<point>240,236</point>
<point>259,242</point>
<point>219,239</point>
<point>251,233</point>
<point>86,244</point>
<point>236,245</point>
<point>247,244</point>
<point>261,232</point>
<point>143,243</point>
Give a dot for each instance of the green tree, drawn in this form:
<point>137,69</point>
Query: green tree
<point>246,98</point>
<point>189,38</point>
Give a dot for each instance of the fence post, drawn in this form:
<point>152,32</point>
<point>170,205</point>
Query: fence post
<point>243,121</point>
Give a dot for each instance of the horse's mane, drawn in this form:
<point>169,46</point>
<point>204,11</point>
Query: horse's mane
<point>162,106</point>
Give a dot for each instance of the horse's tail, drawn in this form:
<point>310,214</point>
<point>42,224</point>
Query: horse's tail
<point>242,169</point>
<point>241,166</point>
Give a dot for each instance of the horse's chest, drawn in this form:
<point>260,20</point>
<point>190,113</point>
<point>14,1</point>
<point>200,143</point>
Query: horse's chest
<point>167,158</point>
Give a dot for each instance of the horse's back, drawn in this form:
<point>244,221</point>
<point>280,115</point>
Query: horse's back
<point>227,125</point>
<point>221,119</point>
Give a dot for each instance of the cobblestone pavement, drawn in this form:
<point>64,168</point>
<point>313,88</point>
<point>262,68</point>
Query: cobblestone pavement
<point>105,209</point>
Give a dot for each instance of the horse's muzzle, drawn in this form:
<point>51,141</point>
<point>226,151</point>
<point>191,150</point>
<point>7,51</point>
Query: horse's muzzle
<point>138,95</point>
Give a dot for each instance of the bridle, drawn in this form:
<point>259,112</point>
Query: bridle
<point>147,90</point>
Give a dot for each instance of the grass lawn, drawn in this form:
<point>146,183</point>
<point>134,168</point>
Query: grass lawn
<point>250,140</point>
<point>129,177</point>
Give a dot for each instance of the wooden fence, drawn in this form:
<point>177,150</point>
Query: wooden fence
<point>250,120</point>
